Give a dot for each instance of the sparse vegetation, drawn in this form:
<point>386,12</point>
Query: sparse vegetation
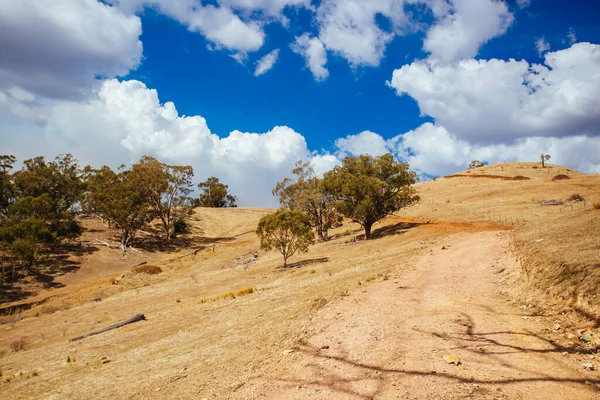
<point>575,197</point>
<point>147,269</point>
<point>560,257</point>
<point>544,158</point>
<point>596,206</point>
<point>505,178</point>
<point>228,295</point>
<point>212,325</point>
<point>561,177</point>
<point>18,345</point>
<point>49,309</point>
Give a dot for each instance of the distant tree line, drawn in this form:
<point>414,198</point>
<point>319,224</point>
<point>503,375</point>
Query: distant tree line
<point>39,204</point>
<point>364,189</point>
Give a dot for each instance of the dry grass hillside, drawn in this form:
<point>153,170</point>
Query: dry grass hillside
<point>555,222</point>
<point>212,327</point>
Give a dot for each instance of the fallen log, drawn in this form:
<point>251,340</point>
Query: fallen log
<point>102,243</point>
<point>135,318</point>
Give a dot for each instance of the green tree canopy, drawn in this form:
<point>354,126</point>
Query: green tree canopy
<point>303,192</point>
<point>288,231</point>
<point>117,197</point>
<point>7,189</point>
<point>60,179</point>
<point>215,194</point>
<point>166,188</point>
<point>367,189</point>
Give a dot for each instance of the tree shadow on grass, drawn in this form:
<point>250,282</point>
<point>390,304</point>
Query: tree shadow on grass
<point>51,266</point>
<point>595,319</point>
<point>193,239</point>
<point>305,263</point>
<point>391,230</point>
<point>378,233</point>
<point>339,374</point>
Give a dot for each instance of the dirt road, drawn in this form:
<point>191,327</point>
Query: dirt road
<point>394,338</point>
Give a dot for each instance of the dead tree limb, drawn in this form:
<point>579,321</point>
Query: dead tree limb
<point>103,243</point>
<point>135,318</point>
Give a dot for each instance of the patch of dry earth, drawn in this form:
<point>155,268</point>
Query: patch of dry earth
<point>390,340</point>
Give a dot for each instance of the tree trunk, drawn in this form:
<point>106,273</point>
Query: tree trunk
<point>368,227</point>
<point>124,241</point>
<point>168,231</point>
<point>320,233</point>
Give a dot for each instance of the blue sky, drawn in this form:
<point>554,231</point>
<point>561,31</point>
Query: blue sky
<point>436,82</point>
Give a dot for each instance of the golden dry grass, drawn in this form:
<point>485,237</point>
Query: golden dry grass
<point>559,245</point>
<point>210,324</point>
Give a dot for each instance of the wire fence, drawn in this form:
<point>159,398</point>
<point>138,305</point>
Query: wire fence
<point>516,217</point>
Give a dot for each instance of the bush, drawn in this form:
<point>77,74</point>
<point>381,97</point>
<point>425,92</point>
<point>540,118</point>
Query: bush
<point>575,197</point>
<point>519,178</point>
<point>596,206</point>
<point>228,295</point>
<point>147,269</point>
<point>18,345</point>
<point>561,177</point>
<point>180,226</point>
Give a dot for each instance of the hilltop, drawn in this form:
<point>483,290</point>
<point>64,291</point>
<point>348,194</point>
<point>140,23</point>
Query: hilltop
<point>482,269</point>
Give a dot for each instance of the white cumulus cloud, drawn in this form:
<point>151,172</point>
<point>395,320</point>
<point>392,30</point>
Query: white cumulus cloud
<point>349,28</point>
<point>57,48</point>
<point>466,26</point>
<point>542,46</point>
<point>266,63</point>
<point>219,24</point>
<point>366,142</point>
<point>496,100</point>
<point>313,51</point>
<point>496,110</point>
<point>126,120</point>
<point>433,150</point>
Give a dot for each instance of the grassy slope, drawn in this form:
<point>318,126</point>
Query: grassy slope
<point>215,343</point>
<point>559,246</point>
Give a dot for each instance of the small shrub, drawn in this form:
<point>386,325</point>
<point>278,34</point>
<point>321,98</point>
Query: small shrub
<point>18,345</point>
<point>180,226</point>
<point>244,292</point>
<point>575,197</point>
<point>147,269</point>
<point>227,295</point>
<point>49,309</point>
<point>312,271</point>
<point>596,206</point>
<point>318,303</point>
<point>561,177</point>
<point>518,178</point>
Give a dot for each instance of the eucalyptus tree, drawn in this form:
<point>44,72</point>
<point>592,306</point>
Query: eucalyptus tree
<point>366,189</point>
<point>304,192</point>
